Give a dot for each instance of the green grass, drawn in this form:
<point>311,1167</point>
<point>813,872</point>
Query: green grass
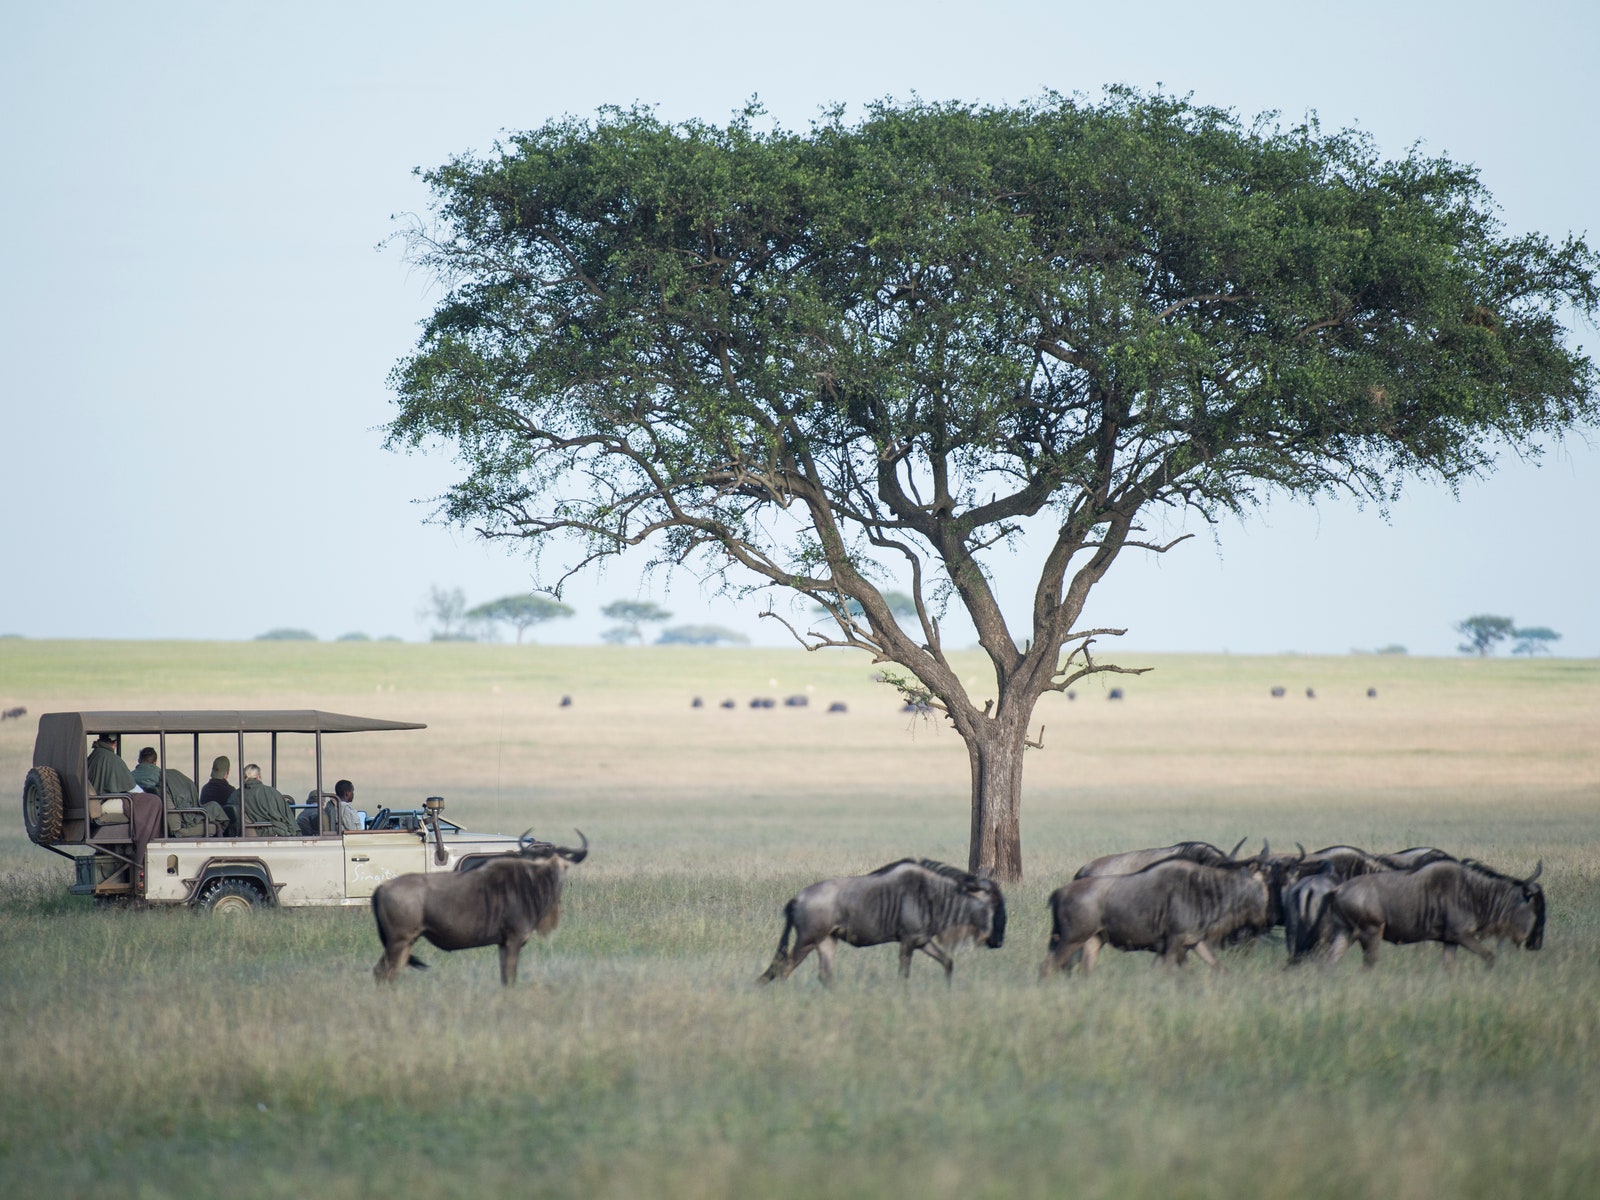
<point>162,1054</point>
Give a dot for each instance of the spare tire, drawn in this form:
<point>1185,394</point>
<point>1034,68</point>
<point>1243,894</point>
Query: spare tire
<point>44,805</point>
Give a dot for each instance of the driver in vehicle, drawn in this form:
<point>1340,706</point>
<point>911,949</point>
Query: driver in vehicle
<point>107,772</point>
<point>338,814</point>
<point>264,804</point>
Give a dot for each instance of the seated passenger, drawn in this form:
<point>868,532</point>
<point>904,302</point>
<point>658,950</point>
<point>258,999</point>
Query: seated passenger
<point>181,794</point>
<point>146,774</point>
<point>263,804</point>
<point>220,792</point>
<point>107,772</point>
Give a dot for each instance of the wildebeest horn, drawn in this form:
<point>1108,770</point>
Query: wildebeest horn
<point>1302,851</point>
<point>526,840</point>
<point>1236,845</point>
<point>1266,847</point>
<point>575,856</point>
<point>1536,871</point>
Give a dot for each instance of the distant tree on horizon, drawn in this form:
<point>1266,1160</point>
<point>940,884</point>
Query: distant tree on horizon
<point>521,611</point>
<point>354,636</point>
<point>1534,640</point>
<point>286,635</point>
<point>701,635</point>
<point>633,615</point>
<point>446,608</point>
<point>1483,633</point>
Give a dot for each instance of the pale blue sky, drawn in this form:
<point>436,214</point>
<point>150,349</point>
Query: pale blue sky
<point>196,324</point>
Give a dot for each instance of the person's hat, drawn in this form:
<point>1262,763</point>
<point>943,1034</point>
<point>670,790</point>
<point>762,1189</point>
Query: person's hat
<point>219,766</point>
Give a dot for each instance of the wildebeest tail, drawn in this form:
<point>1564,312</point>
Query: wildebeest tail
<point>775,971</point>
<point>997,930</point>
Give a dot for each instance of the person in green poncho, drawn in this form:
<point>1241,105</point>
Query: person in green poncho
<point>107,772</point>
<point>182,794</point>
<point>264,804</point>
<point>146,773</point>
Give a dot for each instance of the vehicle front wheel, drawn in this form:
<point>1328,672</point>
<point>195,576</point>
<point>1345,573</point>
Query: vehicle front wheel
<point>44,805</point>
<point>228,897</point>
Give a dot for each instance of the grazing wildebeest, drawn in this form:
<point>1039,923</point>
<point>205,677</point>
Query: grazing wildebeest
<point>1130,861</point>
<point>1457,903</point>
<point>1169,908</point>
<point>922,904</point>
<point>505,901</point>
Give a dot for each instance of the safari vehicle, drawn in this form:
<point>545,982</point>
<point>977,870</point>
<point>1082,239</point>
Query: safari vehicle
<point>145,847</point>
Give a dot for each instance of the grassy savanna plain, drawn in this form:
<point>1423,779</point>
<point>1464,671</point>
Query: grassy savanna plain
<point>162,1054</point>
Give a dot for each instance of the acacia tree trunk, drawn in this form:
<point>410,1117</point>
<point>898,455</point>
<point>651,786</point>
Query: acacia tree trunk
<point>996,753</point>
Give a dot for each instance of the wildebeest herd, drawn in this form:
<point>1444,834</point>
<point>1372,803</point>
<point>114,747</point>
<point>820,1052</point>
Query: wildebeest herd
<point>1168,900</point>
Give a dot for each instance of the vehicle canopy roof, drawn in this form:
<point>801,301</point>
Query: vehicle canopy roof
<point>264,720</point>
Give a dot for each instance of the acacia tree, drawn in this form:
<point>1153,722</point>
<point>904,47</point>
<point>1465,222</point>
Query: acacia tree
<point>800,359</point>
<point>633,615</point>
<point>521,611</point>
<point>1483,633</point>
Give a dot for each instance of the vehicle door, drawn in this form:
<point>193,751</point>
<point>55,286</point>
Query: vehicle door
<point>372,856</point>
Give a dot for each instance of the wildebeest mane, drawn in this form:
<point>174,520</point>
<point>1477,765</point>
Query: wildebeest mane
<point>519,890</point>
<point>887,867</point>
<point>964,878</point>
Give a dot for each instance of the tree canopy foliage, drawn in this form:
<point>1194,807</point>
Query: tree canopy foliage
<point>520,611</point>
<point>819,360</point>
<point>633,615</point>
<point>1484,632</point>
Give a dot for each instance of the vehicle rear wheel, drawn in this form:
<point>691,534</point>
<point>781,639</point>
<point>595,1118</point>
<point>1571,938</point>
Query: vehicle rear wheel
<point>229,897</point>
<point>44,805</point>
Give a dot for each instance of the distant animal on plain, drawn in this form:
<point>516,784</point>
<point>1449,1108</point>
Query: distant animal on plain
<point>13,714</point>
<point>1169,909</point>
<point>921,904</point>
<point>1279,693</point>
<point>505,901</point>
<point>1456,903</point>
<point>1114,694</point>
<point>838,706</point>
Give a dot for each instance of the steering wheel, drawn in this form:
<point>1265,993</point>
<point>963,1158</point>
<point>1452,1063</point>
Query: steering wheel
<point>378,819</point>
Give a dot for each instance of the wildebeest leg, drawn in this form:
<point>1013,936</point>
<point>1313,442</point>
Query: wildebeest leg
<point>1449,956</point>
<point>937,952</point>
<point>906,951</point>
<point>1060,958</point>
<point>825,961</point>
<point>395,956</point>
<point>510,951</point>
<point>1371,937</point>
<point>1207,957</point>
<point>1091,952</point>
<point>1477,947</point>
<point>1337,946</point>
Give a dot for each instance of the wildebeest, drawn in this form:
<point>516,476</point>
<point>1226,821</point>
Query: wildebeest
<point>1320,873</point>
<point>1130,861</point>
<point>505,901</point>
<point>922,904</point>
<point>1457,903</point>
<point>1169,908</point>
